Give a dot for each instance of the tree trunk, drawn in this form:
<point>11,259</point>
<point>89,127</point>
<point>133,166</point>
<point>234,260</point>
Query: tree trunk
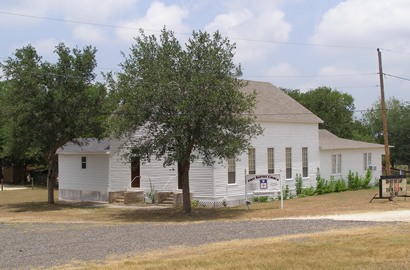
<point>183,175</point>
<point>51,164</point>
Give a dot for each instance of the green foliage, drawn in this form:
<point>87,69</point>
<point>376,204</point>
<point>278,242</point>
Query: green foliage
<point>355,182</point>
<point>335,108</point>
<point>340,185</point>
<point>320,184</point>
<point>286,193</point>
<point>195,203</point>
<point>298,184</point>
<point>260,199</point>
<point>186,99</point>
<point>398,115</point>
<point>310,191</point>
<point>46,105</point>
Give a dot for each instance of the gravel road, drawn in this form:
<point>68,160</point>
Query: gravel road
<point>28,245</point>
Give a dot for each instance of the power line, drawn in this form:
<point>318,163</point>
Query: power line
<point>397,77</point>
<point>188,34</point>
<point>309,76</point>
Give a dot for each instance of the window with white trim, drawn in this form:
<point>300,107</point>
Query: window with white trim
<point>251,161</point>
<point>288,158</point>
<point>305,167</point>
<point>337,164</point>
<point>231,171</point>
<point>271,160</point>
<point>83,162</point>
<point>367,161</point>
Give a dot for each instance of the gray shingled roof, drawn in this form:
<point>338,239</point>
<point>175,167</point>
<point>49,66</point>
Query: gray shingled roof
<point>86,146</point>
<point>329,141</point>
<point>274,105</point>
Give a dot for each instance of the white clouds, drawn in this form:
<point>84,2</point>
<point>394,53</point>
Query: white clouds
<point>245,26</point>
<point>157,16</point>
<point>364,23</point>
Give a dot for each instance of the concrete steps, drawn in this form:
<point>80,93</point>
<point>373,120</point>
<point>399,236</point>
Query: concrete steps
<point>169,201</point>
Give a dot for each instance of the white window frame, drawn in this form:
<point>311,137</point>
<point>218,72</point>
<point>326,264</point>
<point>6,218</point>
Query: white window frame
<point>367,161</point>
<point>336,163</point>
<point>251,160</point>
<point>231,171</point>
<point>84,163</point>
<point>305,162</point>
<point>271,159</point>
<point>288,161</point>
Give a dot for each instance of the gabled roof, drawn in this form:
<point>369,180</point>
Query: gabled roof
<point>86,146</point>
<point>329,141</point>
<point>274,105</point>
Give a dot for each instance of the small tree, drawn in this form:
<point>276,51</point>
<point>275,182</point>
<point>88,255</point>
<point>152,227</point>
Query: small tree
<point>185,101</point>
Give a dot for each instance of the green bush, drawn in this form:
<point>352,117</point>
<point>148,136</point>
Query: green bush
<point>364,183</point>
<point>310,191</point>
<point>320,184</point>
<point>260,198</point>
<point>298,184</point>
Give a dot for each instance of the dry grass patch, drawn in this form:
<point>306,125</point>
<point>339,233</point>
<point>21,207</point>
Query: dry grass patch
<point>365,248</point>
<point>31,205</point>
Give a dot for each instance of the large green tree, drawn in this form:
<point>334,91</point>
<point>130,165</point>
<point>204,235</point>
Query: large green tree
<point>335,108</point>
<point>48,104</point>
<point>398,123</point>
<point>185,101</point>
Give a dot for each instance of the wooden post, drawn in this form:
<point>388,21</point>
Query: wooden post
<point>384,121</point>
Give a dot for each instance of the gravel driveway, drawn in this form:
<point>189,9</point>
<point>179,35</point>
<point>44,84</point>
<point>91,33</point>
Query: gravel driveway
<point>27,245</point>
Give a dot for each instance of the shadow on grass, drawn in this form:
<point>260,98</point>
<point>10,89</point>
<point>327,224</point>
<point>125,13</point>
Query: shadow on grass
<point>177,215</point>
<point>97,212</point>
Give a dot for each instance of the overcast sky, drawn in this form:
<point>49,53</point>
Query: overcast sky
<point>298,44</point>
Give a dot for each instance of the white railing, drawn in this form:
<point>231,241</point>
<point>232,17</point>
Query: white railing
<point>169,180</point>
<point>132,181</point>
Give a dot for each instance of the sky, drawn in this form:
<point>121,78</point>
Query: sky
<point>294,44</point>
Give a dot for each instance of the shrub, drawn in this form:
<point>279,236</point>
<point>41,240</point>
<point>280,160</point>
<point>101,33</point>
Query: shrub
<point>340,185</point>
<point>298,184</point>
<point>320,183</point>
<point>308,191</point>
<point>364,183</point>
<point>263,198</point>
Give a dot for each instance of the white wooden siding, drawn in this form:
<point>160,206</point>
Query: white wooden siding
<point>352,159</point>
<point>120,170</point>
<point>277,136</point>
<point>93,178</point>
<point>201,179</point>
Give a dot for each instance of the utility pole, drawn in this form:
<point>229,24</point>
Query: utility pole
<point>384,121</point>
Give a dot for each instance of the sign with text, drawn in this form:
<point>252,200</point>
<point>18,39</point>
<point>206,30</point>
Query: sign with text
<point>397,182</point>
<point>263,182</point>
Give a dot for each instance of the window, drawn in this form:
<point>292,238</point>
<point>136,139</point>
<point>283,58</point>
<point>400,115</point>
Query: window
<point>271,160</point>
<point>288,157</point>
<point>305,162</point>
<point>251,160</point>
<point>367,161</point>
<point>83,162</point>
<point>231,171</point>
<point>337,164</point>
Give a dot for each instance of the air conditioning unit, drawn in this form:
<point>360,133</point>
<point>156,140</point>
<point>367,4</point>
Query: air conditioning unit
<point>372,167</point>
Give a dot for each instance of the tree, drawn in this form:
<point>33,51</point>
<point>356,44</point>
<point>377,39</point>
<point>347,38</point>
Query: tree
<point>186,102</point>
<point>48,104</point>
<point>398,115</point>
<point>335,108</point>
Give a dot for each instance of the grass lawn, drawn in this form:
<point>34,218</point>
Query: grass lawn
<point>365,248</point>
<point>382,247</point>
<point>31,206</point>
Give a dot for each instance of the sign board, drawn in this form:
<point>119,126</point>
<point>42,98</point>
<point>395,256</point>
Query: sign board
<point>263,183</point>
<point>399,185</point>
